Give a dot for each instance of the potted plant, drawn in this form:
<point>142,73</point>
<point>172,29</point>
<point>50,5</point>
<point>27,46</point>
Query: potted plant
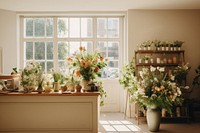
<point>87,66</point>
<point>78,86</point>
<point>180,73</point>
<point>154,92</point>
<point>40,80</point>
<point>146,59</point>
<point>178,44</point>
<point>157,44</point>
<point>56,77</point>
<point>171,46</point>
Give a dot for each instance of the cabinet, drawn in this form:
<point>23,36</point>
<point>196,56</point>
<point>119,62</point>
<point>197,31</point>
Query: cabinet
<point>169,60</point>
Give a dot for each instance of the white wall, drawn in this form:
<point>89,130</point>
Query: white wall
<point>8,39</point>
<point>166,25</point>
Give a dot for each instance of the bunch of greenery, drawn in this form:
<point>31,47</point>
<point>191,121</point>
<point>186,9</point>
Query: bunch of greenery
<point>127,79</point>
<point>196,80</point>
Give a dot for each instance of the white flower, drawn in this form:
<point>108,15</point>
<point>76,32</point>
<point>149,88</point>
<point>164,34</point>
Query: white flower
<point>172,78</point>
<point>161,69</point>
<point>152,69</point>
<point>186,87</point>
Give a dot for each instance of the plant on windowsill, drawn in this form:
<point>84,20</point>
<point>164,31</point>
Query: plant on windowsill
<point>29,76</point>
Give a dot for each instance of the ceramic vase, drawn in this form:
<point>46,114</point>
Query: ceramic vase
<point>153,119</point>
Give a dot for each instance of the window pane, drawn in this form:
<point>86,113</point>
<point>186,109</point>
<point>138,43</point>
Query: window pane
<point>29,51</point>
<point>29,27</point>
<point>39,27</point>
<point>74,29</point>
<point>86,27</point>
<point>101,46</point>
<point>62,27</point>
<point>49,27</point>
<point>43,66</point>
<point>62,66</point>
<point>101,27</point>
<point>73,46</point>
<point>113,64</point>
<point>49,66</point>
<point>113,50</point>
<point>104,73</point>
<point>62,50</point>
<point>113,27</point>
<point>88,46</point>
<point>49,50</point>
<point>39,50</point>
<point>113,73</point>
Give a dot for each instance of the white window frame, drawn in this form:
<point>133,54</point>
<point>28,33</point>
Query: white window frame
<point>55,39</point>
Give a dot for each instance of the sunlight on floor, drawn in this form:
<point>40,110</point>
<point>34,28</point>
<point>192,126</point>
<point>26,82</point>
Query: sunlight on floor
<point>119,126</point>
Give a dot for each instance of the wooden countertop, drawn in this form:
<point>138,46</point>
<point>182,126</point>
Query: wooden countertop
<point>51,94</point>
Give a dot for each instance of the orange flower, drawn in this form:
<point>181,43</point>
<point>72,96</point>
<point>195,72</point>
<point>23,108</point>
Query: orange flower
<point>101,58</point>
<point>157,88</point>
<point>69,59</point>
<point>95,59</point>
<point>86,65</point>
<point>171,96</point>
<point>82,63</point>
<point>162,87</point>
<point>96,69</point>
<point>89,62</point>
<point>80,48</point>
<point>78,73</point>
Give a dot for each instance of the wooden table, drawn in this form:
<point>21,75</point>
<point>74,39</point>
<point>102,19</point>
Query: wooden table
<point>49,113</point>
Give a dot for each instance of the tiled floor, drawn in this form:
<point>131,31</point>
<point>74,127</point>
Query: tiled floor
<point>115,123</point>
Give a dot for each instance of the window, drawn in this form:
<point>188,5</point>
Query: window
<point>49,40</point>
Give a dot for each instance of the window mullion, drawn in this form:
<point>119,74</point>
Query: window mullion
<point>55,45</point>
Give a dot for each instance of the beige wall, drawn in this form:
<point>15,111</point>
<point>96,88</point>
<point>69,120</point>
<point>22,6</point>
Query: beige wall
<point>8,39</point>
<point>166,25</point>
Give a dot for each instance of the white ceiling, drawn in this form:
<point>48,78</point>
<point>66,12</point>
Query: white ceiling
<point>96,5</point>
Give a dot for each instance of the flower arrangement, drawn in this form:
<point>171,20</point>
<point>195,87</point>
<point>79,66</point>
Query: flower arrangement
<point>181,72</point>
<point>87,66</point>
<point>30,74</point>
<point>154,89</point>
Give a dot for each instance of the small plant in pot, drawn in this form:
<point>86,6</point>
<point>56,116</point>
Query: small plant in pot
<point>78,86</point>
<point>40,83</point>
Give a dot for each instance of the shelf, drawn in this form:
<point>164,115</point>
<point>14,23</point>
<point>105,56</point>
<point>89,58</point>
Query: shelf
<point>155,65</point>
<point>159,52</point>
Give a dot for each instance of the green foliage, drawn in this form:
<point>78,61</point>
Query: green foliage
<point>180,72</point>
<point>102,92</point>
<point>127,77</point>
<point>196,80</point>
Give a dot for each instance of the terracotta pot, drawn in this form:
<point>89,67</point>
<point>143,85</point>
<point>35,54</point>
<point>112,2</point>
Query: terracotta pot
<point>78,88</point>
<point>63,88</point>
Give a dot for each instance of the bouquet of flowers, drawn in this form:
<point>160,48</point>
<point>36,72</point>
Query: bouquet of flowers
<point>87,66</point>
<point>30,74</point>
<point>154,89</point>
